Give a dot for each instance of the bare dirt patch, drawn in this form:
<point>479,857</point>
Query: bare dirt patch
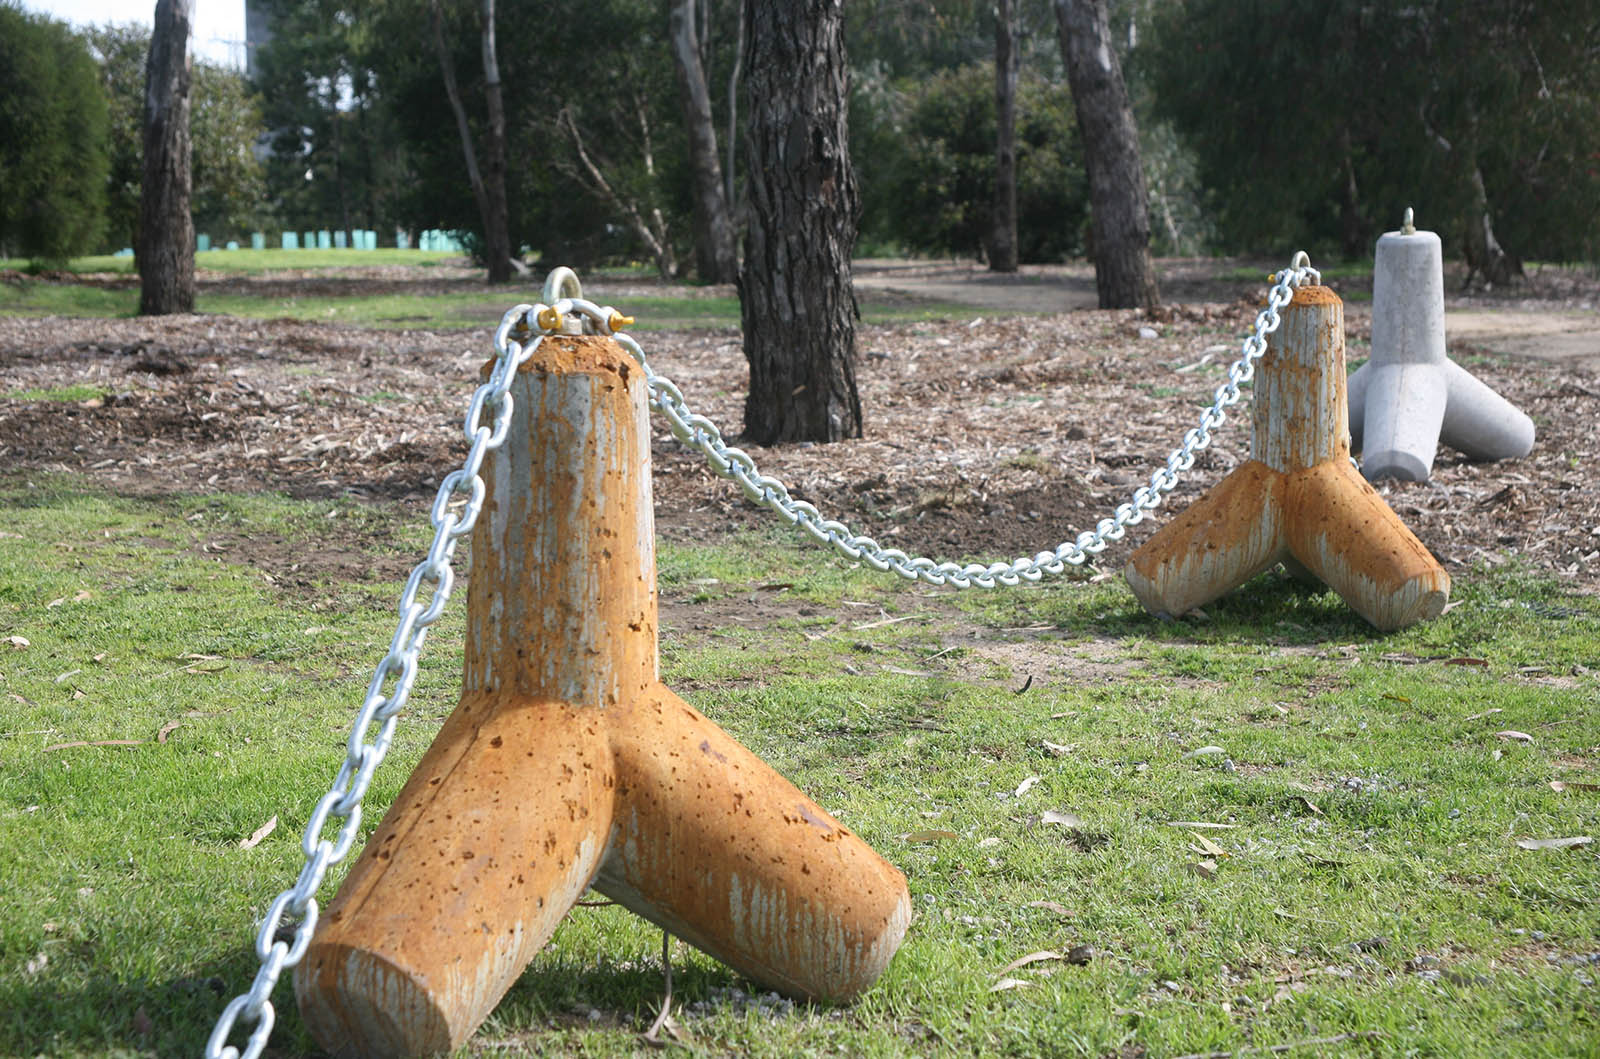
<point>995,438</point>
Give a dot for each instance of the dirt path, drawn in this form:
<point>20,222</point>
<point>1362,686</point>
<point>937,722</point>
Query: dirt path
<point>1553,316</point>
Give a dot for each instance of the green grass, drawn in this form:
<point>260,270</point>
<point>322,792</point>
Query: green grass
<point>1371,882</point>
<point>65,394</point>
<point>470,309</point>
<point>250,261</point>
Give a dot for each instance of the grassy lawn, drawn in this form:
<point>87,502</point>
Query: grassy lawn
<point>252,261</point>
<point>1355,867</point>
<point>470,309</point>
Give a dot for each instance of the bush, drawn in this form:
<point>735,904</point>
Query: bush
<point>925,156</point>
<point>52,140</point>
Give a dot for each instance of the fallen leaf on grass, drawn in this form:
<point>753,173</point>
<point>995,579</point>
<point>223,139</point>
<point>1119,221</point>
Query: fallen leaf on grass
<point>83,597</point>
<point>1070,821</point>
<point>167,729</point>
<point>885,621</point>
<point>1206,751</point>
<point>1059,749</point>
<point>1032,957</point>
<point>1208,847</point>
<point>1464,661</point>
<point>1025,786</point>
<point>37,964</point>
<point>1309,804</point>
<point>1202,825</point>
<point>1394,698</point>
<point>1554,843</point>
<point>69,673</point>
<point>930,836</point>
<point>1573,785</point>
<point>1485,713</point>
<point>21,643</point>
<point>989,843</point>
<point>97,742</point>
<point>1009,983</point>
<point>1206,869</point>
<point>1052,906</point>
<point>55,603</point>
<point>260,833</point>
<point>1511,735</point>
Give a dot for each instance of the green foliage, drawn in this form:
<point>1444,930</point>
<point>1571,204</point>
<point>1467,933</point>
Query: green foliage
<point>624,101</point>
<point>336,162</point>
<point>925,153</point>
<point>52,139</point>
<point>224,123</point>
<point>1318,123</point>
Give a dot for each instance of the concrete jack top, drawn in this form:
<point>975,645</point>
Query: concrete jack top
<point>1409,396</point>
<point>1298,500</point>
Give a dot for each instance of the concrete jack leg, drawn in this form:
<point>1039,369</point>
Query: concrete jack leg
<point>568,764</point>
<point>1409,397</point>
<point>1297,500</point>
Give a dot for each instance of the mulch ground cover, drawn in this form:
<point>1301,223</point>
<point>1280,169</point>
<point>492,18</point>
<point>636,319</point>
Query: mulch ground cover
<point>985,438</point>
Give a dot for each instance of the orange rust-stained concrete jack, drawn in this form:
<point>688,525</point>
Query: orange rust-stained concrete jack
<point>568,764</point>
<point>1298,500</point>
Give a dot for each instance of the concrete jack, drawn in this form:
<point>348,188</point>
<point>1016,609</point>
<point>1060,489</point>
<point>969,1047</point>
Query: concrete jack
<point>1298,500</point>
<point>1410,396</point>
<point>568,764</point>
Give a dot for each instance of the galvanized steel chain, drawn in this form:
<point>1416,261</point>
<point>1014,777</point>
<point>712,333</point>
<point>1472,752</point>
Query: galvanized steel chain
<point>455,511</point>
<point>736,465</point>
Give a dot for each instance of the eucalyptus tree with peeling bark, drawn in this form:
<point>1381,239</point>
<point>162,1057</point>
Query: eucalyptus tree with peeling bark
<point>714,254</point>
<point>1119,220</point>
<point>798,309</point>
<point>165,244</point>
<point>488,188</point>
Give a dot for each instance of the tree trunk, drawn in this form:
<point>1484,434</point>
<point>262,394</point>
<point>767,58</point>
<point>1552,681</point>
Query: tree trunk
<point>491,203</point>
<point>1119,221</point>
<point>1003,233</point>
<point>166,230</point>
<point>1485,255</point>
<point>731,192</point>
<point>496,214</point>
<point>798,308</point>
<point>714,255</point>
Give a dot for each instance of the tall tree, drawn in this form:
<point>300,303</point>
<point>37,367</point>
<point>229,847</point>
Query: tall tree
<point>798,309</point>
<point>1003,238</point>
<point>1123,275</point>
<point>52,140</point>
<point>714,255</point>
<point>489,190</point>
<point>165,247</point>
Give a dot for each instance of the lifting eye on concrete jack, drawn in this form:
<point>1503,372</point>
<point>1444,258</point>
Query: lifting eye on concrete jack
<point>568,764</point>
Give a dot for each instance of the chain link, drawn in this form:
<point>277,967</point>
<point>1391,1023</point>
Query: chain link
<point>737,465</point>
<point>293,913</point>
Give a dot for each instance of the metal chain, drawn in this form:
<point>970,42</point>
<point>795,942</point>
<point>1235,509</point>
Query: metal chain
<point>455,511</point>
<point>736,465</point>
<point>460,501</point>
